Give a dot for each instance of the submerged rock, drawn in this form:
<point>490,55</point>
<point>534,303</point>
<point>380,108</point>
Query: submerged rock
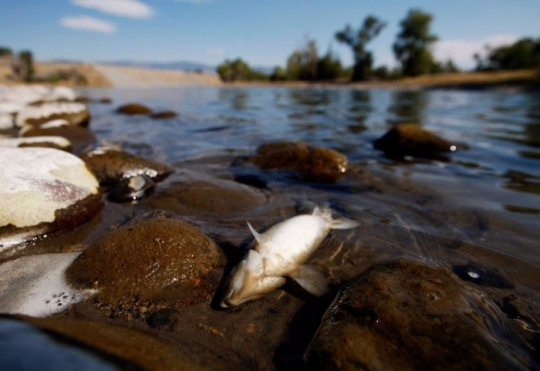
<point>404,315</point>
<point>111,165</point>
<point>200,196</point>
<point>314,163</point>
<point>73,113</point>
<point>164,115</point>
<point>80,137</point>
<point>134,109</point>
<point>40,141</point>
<point>36,285</point>
<point>412,140</point>
<point>41,190</point>
<point>158,260</point>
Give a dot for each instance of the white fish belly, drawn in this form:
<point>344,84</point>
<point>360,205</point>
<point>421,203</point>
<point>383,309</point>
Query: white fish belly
<point>290,243</point>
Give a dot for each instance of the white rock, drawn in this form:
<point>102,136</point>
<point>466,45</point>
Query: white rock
<point>57,141</point>
<point>36,285</point>
<point>6,121</point>
<point>77,111</point>
<point>61,93</point>
<point>36,182</point>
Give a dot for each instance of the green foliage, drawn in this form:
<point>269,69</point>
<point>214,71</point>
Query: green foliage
<point>5,52</point>
<point>302,64</point>
<point>412,45</point>
<point>279,74</point>
<point>363,59</point>
<point>524,53</point>
<point>238,70</point>
<point>23,67</point>
<point>329,67</point>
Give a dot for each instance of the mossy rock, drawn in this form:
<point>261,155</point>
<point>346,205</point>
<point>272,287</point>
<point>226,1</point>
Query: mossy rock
<point>134,109</point>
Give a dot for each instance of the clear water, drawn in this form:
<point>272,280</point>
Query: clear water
<point>483,205</point>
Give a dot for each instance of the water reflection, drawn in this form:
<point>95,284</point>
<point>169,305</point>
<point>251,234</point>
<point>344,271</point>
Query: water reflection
<point>359,110</point>
<point>408,106</point>
<point>237,98</point>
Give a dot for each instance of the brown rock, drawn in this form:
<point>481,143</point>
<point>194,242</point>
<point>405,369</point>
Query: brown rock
<point>412,140</point>
<point>158,260</point>
<point>404,315</point>
<point>134,109</point>
<point>110,166</point>
<point>80,137</point>
<point>164,115</point>
<point>124,347</point>
<point>314,163</point>
<point>73,113</point>
<point>215,196</point>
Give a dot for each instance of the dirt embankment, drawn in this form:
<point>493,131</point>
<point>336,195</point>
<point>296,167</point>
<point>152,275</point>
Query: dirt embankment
<point>84,74</point>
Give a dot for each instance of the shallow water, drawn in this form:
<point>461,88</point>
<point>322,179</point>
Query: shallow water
<point>495,181</point>
<point>479,207</point>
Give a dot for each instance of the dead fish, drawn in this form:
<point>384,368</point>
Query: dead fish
<point>281,252</point>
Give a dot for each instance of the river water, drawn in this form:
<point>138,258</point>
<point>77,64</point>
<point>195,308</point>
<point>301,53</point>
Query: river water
<point>494,181</point>
<point>476,212</point>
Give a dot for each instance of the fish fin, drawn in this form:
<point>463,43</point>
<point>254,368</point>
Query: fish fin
<point>343,223</point>
<point>255,234</point>
<point>311,280</point>
<point>323,212</point>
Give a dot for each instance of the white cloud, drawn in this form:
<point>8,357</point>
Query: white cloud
<point>86,23</point>
<point>462,51</point>
<point>123,8</point>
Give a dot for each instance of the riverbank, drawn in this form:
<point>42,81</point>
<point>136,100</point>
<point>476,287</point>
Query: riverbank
<point>101,75</point>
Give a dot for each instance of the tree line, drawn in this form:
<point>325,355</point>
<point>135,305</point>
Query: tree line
<point>22,63</point>
<point>412,49</point>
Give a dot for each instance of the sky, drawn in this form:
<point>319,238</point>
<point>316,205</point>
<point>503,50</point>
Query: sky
<point>261,32</point>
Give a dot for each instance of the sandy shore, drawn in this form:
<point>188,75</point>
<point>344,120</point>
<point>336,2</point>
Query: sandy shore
<point>111,75</point>
<point>122,76</point>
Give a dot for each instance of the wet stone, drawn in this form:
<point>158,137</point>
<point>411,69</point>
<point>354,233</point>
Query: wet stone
<point>43,190</point>
<point>111,166</point>
<point>159,260</point>
<point>403,315</point>
<point>73,113</point>
<point>161,115</point>
<point>131,189</point>
<point>134,109</point>
<point>42,141</point>
<point>412,140</point>
<point>312,163</point>
<point>80,137</point>
<point>203,196</point>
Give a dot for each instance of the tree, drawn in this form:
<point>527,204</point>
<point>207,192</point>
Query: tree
<point>412,46</point>
<point>302,64</point>
<point>329,67</point>
<point>23,67</point>
<point>5,52</point>
<point>238,70</point>
<point>363,59</point>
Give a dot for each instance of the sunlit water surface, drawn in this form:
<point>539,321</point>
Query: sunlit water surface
<point>482,205</point>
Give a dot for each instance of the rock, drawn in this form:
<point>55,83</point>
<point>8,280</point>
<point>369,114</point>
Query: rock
<point>43,141</point>
<point>313,163</point>
<point>42,190</point>
<point>207,196</point>
<point>481,276</point>
<point>6,121</point>
<point>73,113</point>
<point>110,166</point>
<point>131,189</point>
<point>36,285</point>
<point>81,138</point>
<point>412,140</point>
<point>164,115</point>
<point>160,260</point>
<point>403,315</point>
<point>27,347</point>
<point>134,109</point>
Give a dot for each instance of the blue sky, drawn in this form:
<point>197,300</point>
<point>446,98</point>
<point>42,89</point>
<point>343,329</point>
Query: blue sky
<point>262,32</point>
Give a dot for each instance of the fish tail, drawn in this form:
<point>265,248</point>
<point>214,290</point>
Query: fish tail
<point>341,223</point>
